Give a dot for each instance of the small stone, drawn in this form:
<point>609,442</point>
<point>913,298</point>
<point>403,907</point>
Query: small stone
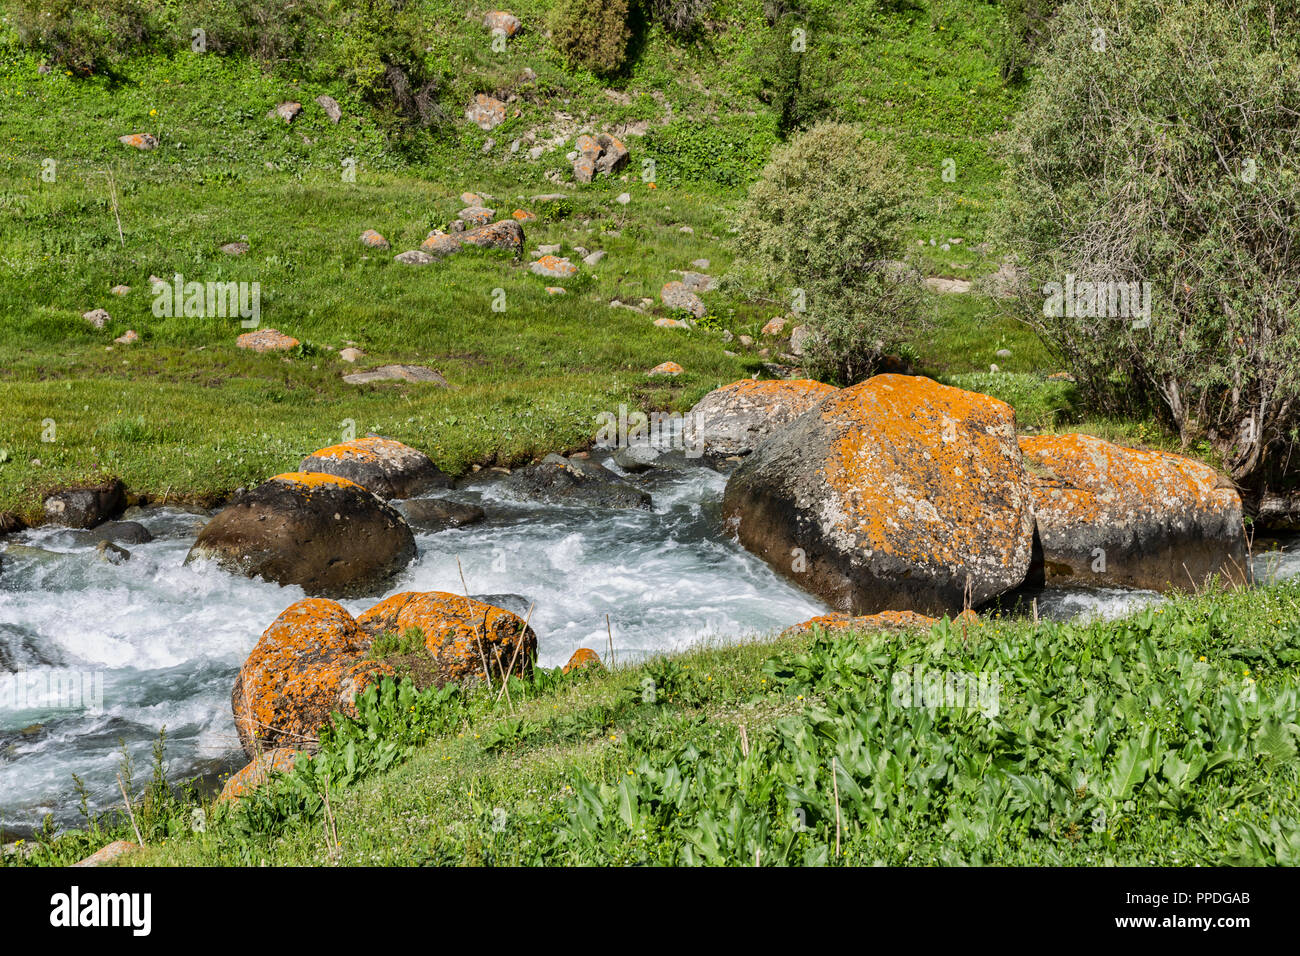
<point>471,199</point>
<point>687,229</point>
<point>666,368</point>
<point>139,140</point>
<point>97,317</point>
<point>745,340</point>
<point>799,339</point>
<point>287,111</point>
<point>554,267</point>
<point>1003,353</point>
<point>373,240</point>
<point>120,289</point>
<point>523,215</point>
<point>593,258</point>
<point>994,368</point>
<point>698,282</point>
<point>235,248</point>
<point>331,107</point>
<point>489,144</point>
<point>665,323</point>
<point>700,264</point>
<point>775,327</point>
<point>413,257</point>
<point>554,290</point>
<point>266,340</point>
<point>549,250</point>
<point>351,355</point>
<point>110,553</point>
<point>130,338</point>
<point>485,112</point>
<point>623,199</point>
<point>476,215</point>
<point>404,373</point>
<point>676,296</point>
<point>500,23</point>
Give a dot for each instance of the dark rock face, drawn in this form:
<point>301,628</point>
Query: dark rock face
<point>327,534</point>
<point>86,507</point>
<point>385,468</point>
<point>433,514</point>
<point>895,494</point>
<point>575,481</point>
<point>1110,516</point>
<point>120,532</point>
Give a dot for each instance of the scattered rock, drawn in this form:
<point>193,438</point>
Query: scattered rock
<point>1003,353</point>
<point>867,622</point>
<point>775,326</point>
<point>946,286</point>
<point>351,355</point>
<point>687,229</point>
<point>745,340</point>
<point>593,258</point>
<point>120,289</point>
<point>699,282</point>
<point>326,534</point>
<point>120,532</point>
<point>676,296</point>
<point>575,481</point>
<point>1060,377</point>
<point>799,339</point>
<point>501,23</point>
<point>266,340</point>
<point>554,290</point>
<point>439,244</point>
<point>413,257</point>
<point>235,248</point>
<point>287,111</point>
<point>477,215</point>
<point>1109,516</point>
<point>86,506</point>
<point>139,140</point>
<point>130,338</point>
<point>435,514</point>
<point>597,155</point>
<point>394,373</point>
<point>523,215</point>
<point>486,112</point>
<point>471,199</point>
<point>331,107</point>
<point>384,467</point>
<point>735,419</point>
<point>583,658</point>
<point>895,494</point>
<point>279,760</point>
<point>700,264</point>
<point>506,235</point>
<point>554,267</point>
<point>666,368</point>
<point>97,317</point>
<point>373,240</point>
<point>623,198</point>
<point>108,854</point>
<point>666,323</point>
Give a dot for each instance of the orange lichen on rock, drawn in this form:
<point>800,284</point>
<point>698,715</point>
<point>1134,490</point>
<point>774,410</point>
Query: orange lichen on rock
<point>280,760</point>
<point>314,479</point>
<point>460,633</point>
<point>1112,516</point>
<point>361,449</point>
<point>108,854</point>
<point>583,658</point>
<point>309,663</point>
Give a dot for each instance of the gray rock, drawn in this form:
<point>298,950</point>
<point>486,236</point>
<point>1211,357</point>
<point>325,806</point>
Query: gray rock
<point>413,257</point>
<point>575,481</point>
<point>393,373</point>
<point>111,554</point>
<point>434,514</point>
<point>331,107</point>
<point>86,507</point>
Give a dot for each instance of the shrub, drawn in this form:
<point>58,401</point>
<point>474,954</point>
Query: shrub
<point>84,36</point>
<point>1135,161</point>
<point>1022,32</point>
<point>824,218</point>
<point>678,17</point>
<point>592,33</point>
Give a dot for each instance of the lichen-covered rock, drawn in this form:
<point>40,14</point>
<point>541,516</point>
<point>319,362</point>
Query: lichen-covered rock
<point>485,112</point>
<point>502,23</point>
<point>506,235</point>
<point>308,664</point>
<point>554,267</point>
<point>331,107</point>
<point>476,215</point>
<point>736,418</point>
<point>582,659</point>
<point>413,257</point>
<point>677,296</point>
<point>326,534</point>
<point>666,368</point>
<point>266,340</point>
<point>86,506</point>
<point>139,140</point>
<point>460,633</point>
<point>397,373</point>
<point>384,467</point>
<point>108,854</point>
<point>1109,516</point>
<point>373,240</point>
<point>523,215</point>
<point>440,243</point>
<point>287,111</point>
<point>257,772</point>
<point>613,155</point>
<point>575,481</point>
<point>97,317</point>
<point>885,620</point>
<point>896,494</point>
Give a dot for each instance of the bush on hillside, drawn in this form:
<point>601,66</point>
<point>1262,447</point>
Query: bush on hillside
<point>1023,31</point>
<point>1136,160</point>
<point>679,17</point>
<point>824,217</point>
<point>592,33</point>
<point>84,36</point>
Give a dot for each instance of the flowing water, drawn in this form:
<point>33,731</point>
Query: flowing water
<point>151,643</point>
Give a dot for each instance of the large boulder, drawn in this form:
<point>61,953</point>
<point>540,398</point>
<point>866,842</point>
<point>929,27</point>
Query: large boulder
<point>1110,516</point>
<point>735,419</point>
<point>506,235</point>
<point>86,506</point>
<point>575,481</point>
<point>311,662</point>
<point>326,534</point>
<point>384,467</point>
<point>896,494</point>
<point>460,634</point>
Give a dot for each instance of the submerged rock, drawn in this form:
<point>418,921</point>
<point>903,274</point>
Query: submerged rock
<point>575,481</point>
<point>1109,516</point>
<point>324,533</point>
<point>86,506</point>
<point>383,466</point>
<point>895,494</point>
<point>435,514</point>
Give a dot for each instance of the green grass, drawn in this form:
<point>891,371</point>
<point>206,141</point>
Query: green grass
<point>1167,738</point>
